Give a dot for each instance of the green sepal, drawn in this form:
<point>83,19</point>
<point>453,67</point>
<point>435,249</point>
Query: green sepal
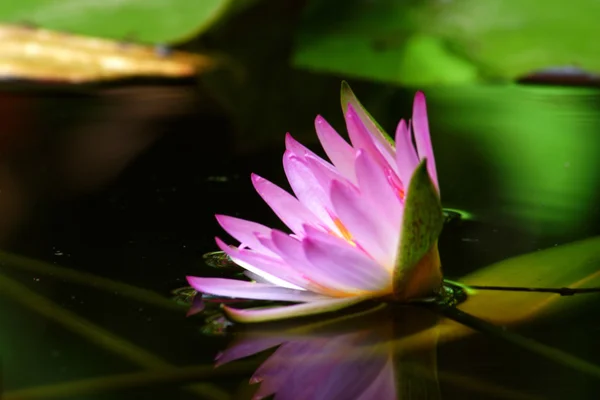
<point>348,97</point>
<point>422,224</point>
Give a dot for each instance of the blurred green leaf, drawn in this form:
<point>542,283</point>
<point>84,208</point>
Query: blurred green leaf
<point>527,143</point>
<point>163,21</point>
<point>438,42</point>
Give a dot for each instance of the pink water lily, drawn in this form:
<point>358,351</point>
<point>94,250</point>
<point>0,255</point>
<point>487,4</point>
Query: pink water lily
<point>364,225</point>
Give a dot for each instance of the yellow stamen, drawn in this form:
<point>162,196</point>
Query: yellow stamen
<point>344,231</point>
<point>401,194</point>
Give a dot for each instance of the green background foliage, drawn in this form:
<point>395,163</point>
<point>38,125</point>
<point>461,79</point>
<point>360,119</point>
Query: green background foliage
<point>162,21</point>
<point>440,42</point>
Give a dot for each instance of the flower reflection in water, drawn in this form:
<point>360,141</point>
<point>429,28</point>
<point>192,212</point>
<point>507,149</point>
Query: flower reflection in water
<point>351,357</point>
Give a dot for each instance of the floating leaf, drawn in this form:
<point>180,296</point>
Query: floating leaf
<point>154,21</point>
<point>61,57</point>
<point>575,265</point>
<point>447,42</point>
<point>220,260</point>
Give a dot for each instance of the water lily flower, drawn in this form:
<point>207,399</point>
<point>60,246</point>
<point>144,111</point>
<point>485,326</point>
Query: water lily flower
<point>364,226</point>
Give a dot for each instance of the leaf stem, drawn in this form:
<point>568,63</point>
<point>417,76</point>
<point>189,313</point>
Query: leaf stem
<point>565,291</point>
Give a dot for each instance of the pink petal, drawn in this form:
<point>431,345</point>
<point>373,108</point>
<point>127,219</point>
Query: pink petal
<point>197,306</point>
<point>298,149</point>
<point>362,139</point>
<point>325,278</point>
<point>250,290</point>
<point>352,267</point>
<point>255,277</point>
<point>422,138</point>
<point>349,99</point>
<point>354,373</point>
<point>377,190</point>
<point>293,213</point>
<point>337,149</point>
<point>308,188</point>
<point>293,311</point>
<point>325,173</point>
<point>283,365</point>
<point>272,269</point>
<point>384,385</point>
<point>244,231</point>
<point>292,251</point>
<point>406,156</point>
<point>371,232</point>
<point>247,347</point>
<point>321,368</point>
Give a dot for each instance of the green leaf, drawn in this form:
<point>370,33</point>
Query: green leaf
<point>378,41</point>
<point>154,21</point>
<point>349,98</point>
<point>576,265</point>
<point>417,272</point>
<point>422,43</point>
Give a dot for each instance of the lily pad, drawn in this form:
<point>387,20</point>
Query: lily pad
<point>61,57</point>
<point>574,265</point>
<point>447,42</point>
<point>155,21</point>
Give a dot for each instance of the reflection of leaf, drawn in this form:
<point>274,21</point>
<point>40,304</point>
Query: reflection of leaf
<point>147,20</point>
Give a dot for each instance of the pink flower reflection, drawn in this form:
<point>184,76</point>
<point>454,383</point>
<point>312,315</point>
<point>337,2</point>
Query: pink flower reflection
<point>351,358</point>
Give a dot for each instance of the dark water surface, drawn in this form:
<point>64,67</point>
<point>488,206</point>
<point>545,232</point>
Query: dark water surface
<point>121,188</point>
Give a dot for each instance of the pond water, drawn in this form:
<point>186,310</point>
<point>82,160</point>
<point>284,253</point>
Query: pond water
<point>107,202</point>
